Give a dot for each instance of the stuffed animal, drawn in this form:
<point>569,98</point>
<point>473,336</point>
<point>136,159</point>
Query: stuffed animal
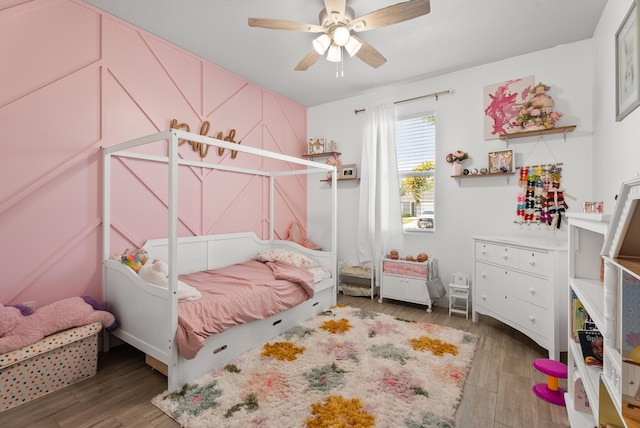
<point>157,272</point>
<point>17,330</point>
<point>335,161</point>
<point>134,260</point>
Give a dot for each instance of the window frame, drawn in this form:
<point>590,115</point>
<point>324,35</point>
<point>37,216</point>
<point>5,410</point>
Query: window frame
<point>403,175</point>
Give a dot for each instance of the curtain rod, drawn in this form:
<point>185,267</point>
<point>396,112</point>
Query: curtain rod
<point>434,94</point>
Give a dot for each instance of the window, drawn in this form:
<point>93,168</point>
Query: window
<point>416,153</point>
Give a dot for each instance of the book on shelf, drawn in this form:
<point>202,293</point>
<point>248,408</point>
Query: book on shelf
<point>581,401</point>
<point>578,312</point>
<point>592,345</point>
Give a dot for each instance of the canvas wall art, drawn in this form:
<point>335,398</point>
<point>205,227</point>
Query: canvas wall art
<point>627,64</point>
<point>502,102</point>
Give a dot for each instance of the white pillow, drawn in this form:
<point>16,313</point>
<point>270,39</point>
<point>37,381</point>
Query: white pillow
<point>286,256</point>
<point>320,273</point>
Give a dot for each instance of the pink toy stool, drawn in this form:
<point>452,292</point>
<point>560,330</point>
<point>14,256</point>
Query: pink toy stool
<point>550,391</point>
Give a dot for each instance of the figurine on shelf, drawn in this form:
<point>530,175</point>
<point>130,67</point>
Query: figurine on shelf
<point>537,112</point>
<point>332,146</point>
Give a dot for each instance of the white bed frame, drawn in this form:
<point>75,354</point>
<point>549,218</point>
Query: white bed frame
<point>148,314</point>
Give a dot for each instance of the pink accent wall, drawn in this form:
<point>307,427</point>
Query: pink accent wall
<point>74,79</point>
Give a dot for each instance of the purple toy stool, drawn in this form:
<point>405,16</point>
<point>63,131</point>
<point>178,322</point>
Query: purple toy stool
<point>550,391</point>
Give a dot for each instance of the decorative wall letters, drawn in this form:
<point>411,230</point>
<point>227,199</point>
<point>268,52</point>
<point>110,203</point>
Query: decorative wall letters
<point>203,149</point>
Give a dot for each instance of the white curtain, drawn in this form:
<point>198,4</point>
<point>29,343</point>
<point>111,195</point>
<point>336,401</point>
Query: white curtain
<point>380,222</point>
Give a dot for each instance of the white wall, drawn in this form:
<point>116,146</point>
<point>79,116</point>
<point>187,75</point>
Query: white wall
<point>480,206</point>
<point>616,144</point>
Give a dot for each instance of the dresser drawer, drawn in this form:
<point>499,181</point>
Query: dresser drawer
<point>533,318</point>
<point>530,289</point>
<point>488,290</point>
<point>498,254</point>
<point>536,262</point>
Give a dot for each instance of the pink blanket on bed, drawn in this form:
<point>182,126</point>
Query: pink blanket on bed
<point>238,294</point>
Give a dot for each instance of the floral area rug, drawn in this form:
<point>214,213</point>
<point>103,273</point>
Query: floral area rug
<point>346,367</point>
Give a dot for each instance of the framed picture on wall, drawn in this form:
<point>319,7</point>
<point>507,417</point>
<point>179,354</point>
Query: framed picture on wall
<point>502,102</point>
<point>627,64</point>
<point>348,172</point>
<point>316,146</point>
<point>501,161</point>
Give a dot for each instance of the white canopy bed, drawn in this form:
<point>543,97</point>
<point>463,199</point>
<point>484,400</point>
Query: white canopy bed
<point>149,314</point>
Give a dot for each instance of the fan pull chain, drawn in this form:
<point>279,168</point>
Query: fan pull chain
<point>340,65</point>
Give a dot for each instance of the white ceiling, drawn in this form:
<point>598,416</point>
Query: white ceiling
<point>457,34</point>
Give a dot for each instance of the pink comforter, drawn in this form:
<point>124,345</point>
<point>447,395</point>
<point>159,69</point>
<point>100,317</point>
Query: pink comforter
<point>238,294</point>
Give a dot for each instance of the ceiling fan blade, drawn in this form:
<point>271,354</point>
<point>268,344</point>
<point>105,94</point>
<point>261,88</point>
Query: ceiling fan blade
<point>391,15</point>
<point>369,54</point>
<point>309,59</point>
<point>335,8</point>
<point>277,24</point>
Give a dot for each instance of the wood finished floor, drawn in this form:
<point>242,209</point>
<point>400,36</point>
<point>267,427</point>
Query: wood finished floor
<point>497,392</point>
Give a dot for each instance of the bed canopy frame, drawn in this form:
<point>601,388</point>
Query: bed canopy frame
<point>173,162</point>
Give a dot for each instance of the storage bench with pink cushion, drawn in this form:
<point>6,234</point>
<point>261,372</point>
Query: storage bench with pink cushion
<point>48,365</point>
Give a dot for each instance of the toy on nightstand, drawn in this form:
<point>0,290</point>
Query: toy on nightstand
<point>550,391</point>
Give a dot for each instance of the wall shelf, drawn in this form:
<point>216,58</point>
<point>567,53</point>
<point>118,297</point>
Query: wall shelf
<point>319,155</point>
<point>536,133</point>
<point>341,179</point>
<point>490,174</point>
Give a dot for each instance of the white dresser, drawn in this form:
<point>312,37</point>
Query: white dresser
<point>523,283</point>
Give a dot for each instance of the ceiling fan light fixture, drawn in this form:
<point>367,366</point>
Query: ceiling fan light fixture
<point>341,35</point>
<point>353,46</point>
<point>321,44</point>
<point>335,53</point>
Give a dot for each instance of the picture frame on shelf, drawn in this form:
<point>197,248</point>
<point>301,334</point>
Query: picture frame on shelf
<point>348,172</point>
<point>315,146</point>
<point>627,63</point>
<point>500,161</point>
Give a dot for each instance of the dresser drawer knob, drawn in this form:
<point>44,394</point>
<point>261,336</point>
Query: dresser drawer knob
<point>532,291</point>
<point>532,318</point>
<point>532,262</point>
<point>505,256</point>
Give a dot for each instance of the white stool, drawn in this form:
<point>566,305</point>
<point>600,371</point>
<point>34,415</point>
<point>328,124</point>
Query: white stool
<point>459,294</point>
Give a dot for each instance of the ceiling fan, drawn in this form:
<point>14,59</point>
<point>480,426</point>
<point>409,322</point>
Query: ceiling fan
<point>337,21</point>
